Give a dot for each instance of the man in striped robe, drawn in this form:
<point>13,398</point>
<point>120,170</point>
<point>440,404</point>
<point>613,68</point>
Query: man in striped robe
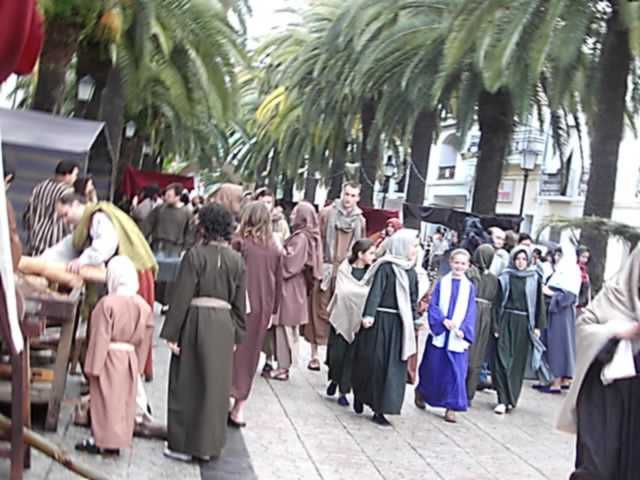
<point>43,226</point>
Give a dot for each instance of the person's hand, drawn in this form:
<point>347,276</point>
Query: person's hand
<point>496,334</point>
<point>74,266</point>
<point>630,333</point>
<point>175,349</point>
<point>271,318</point>
<point>235,347</point>
<point>547,291</point>
<point>536,332</point>
<point>448,324</point>
<point>459,333</point>
<point>367,322</point>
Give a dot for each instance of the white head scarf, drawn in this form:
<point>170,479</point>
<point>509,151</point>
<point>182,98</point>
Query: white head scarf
<point>122,278</point>
<point>567,275</point>
<point>400,243</point>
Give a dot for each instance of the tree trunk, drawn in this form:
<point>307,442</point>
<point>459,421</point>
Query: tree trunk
<point>112,113</point>
<point>495,116</point>
<point>272,181</point>
<point>287,190</point>
<point>92,60</point>
<point>61,42</point>
<point>608,125</point>
<point>261,172</point>
<point>370,158</point>
<point>336,172</point>
<point>310,186</point>
<point>421,140</point>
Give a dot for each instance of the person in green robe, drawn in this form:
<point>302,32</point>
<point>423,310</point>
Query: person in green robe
<point>487,293</point>
<point>205,321</point>
<point>521,318</point>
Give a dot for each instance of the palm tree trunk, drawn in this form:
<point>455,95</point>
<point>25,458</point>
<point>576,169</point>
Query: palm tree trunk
<point>61,42</point>
<point>421,140</point>
<point>310,186</point>
<point>370,158</point>
<point>336,172</point>
<point>92,60</point>
<point>287,193</point>
<point>495,116</point>
<point>261,172</point>
<point>608,125</point>
<point>112,113</point>
<point>272,181</point>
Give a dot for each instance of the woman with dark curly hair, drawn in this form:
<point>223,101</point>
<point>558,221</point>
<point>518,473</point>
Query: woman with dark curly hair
<point>204,324</point>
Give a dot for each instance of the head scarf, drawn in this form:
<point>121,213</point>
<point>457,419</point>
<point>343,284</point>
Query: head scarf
<point>305,222</point>
<point>395,223</point>
<point>482,260</point>
<point>567,275</point>
<point>122,278</point>
<point>612,311</point>
<point>397,255</point>
<point>513,271</point>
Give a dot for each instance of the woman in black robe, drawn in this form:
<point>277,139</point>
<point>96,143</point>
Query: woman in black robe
<point>387,339</point>
<point>603,405</point>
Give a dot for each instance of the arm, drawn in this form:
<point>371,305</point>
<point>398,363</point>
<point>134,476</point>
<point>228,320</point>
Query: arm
<point>295,257</point>
<point>16,245</point>
<point>239,304</point>
<point>435,315</point>
<point>99,339</point>
<point>468,326</point>
<point>279,281</point>
<point>142,350</point>
<point>495,311</point>
<point>180,299</point>
<point>413,290</point>
<point>104,243</point>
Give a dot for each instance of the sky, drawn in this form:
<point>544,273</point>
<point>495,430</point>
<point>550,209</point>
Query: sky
<point>266,15</point>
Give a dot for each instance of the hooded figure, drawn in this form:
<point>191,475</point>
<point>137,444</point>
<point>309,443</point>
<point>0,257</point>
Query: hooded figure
<point>120,335</point>
<point>560,335</point>
<point>388,340</point>
<point>604,400</point>
<point>521,318</point>
<point>487,297</point>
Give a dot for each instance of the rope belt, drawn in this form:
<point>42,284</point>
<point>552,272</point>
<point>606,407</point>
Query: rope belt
<point>387,310</point>
<point>517,312</point>
<point>122,346</point>
<point>210,302</point>
<point>482,300</point>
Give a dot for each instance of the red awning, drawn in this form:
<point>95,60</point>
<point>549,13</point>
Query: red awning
<point>21,37</point>
<point>377,219</point>
<point>133,181</point>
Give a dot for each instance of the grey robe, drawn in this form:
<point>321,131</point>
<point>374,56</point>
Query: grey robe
<point>200,377</point>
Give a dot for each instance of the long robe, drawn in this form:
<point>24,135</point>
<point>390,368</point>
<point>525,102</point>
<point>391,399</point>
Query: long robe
<point>560,335</point>
<point>514,346</point>
<point>200,376</point>
<point>378,369</point>
<point>340,352</point>
<point>168,226</point>
<point>443,372</point>
<point>487,294</point>
<point>608,423</point>
<point>113,373</point>
<point>317,330</point>
<point>264,285</point>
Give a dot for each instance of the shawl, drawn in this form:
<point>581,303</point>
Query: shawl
<point>455,343</point>
<point>305,222</point>
<point>347,304</point>
<point>610,313</point>
<point>131,241</point>
<point>398,256</point>
<point>482,260</point>
<point>345,221</point>
<point>122,278</point>
<point>532,279</point>
<point>567,274</point>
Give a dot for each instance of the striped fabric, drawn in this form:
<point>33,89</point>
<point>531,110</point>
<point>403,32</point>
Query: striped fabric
<point>43,227</point>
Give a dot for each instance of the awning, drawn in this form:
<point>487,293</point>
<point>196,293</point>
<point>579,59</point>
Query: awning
<point>133,181</point>
<point>454,219</point>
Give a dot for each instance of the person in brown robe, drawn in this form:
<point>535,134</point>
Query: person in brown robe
<point>263,260</point>
<point>206,319</point>
<point>230,196</point>
<point>119,341</point>
<point>341,225</point>
<point>302,271</point>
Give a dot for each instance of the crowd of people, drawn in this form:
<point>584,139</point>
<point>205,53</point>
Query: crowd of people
<point>253,283</point>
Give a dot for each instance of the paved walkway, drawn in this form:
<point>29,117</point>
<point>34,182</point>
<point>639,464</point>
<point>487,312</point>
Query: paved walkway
<point>295,432</point>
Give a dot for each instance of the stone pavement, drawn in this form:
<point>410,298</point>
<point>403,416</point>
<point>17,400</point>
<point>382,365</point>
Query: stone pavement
<point>295,432</point>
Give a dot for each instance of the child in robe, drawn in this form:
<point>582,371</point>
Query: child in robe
<point>452,315</point>
<point>120,335</point>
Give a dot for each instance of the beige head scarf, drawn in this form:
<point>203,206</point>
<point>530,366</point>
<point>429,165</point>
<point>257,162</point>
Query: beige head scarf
<point>610,313</point>
<point>122,278</point>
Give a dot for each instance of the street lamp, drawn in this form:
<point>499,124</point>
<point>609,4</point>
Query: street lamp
<point>390,169</point>
<point>86,86</point>
<point>130,129</point>
<point>528,160</point>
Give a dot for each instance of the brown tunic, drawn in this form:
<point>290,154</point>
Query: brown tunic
<point>317,331</point>
<point>294,309</point>
<point>168,228</point>
<point>200,377</point>
<point>113,372</point>
<point>264,286</point>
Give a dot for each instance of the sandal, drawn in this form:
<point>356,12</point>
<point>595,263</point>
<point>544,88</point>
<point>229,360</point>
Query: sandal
<point>234,423</point>
<point>89,446</point>
<point>314,365</point>
<point>281,375</point>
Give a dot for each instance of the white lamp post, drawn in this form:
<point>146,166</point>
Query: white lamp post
<point>130,129</point>
<point>389,170</point>
<point>528,159</point>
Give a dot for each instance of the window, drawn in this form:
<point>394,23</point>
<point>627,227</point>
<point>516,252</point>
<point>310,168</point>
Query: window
<point>446,173</point>
<point>505,191</point>
<point>449,152</point>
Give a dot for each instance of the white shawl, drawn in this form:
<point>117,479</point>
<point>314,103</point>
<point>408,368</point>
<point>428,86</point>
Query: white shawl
<point>347,304</point>
<point>455,344</point>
